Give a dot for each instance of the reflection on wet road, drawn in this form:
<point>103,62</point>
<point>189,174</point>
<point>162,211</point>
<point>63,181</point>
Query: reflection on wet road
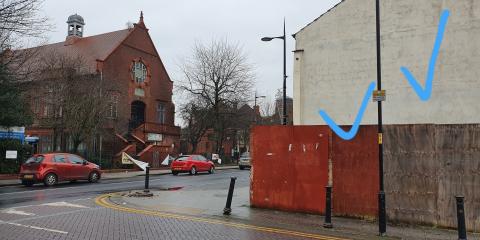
<point>12,196</point>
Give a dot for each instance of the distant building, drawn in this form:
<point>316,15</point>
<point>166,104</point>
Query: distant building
<point>277,116</point>
<point>141,120</point>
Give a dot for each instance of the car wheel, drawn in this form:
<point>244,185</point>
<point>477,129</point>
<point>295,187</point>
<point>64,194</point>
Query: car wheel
<point>50,180</point>
<point>73,181</point>
<point>175,173</point>
<point>241,167</point>
<point>93,177</point>
<point>211,170</point>
<point>27,183</point>
<point>193,171</point>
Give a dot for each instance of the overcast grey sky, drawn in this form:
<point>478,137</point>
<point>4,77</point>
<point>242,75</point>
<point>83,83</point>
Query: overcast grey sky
<point>176,25</point>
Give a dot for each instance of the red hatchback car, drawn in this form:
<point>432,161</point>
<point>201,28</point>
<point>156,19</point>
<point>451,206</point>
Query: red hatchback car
<point>192,164</point>
<point>51,168</point>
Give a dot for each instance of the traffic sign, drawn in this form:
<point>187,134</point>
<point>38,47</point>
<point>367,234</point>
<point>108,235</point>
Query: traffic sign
<point>126,159</point>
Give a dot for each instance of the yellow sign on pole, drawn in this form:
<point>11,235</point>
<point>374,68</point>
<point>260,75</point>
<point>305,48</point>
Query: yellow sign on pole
<point>379,96</point>
<point>380,138</point>
<point>126,159</point>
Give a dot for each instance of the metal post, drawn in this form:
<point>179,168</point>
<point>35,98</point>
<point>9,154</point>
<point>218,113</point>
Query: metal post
<point>255,108</point>
<point>147,178</point>
<point>100,159</point>
<point>228,207</point>
<point>284,38</point>
<point>284,75</point>
<point>382,218</point>
<point>328,208</point>
<point>462,231</point>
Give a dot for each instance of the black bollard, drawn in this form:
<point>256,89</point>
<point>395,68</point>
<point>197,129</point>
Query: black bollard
<point>227,210</point>
<point>147,178</point>
<point>328,208</point>
<point>462,231</point>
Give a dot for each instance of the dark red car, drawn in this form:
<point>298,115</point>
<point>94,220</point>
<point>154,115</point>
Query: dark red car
<point>192,164</point>
<point>54,167</point>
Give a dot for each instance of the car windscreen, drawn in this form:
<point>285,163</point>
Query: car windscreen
<point>245,155</point>
<point>182,158</point>
<point>35,159</point>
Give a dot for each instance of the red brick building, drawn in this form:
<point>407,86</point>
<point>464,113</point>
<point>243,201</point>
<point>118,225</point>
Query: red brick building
<point>142,114</point>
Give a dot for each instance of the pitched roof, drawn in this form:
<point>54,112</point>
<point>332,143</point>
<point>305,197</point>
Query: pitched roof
<point>245,108</point>
<point>92,48</point>
<point>341,1</point>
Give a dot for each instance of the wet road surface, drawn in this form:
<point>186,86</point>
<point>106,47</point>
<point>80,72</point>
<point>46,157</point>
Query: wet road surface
<point>12,196</point>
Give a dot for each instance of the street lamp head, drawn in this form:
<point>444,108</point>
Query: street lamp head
<point>267,39</point>
<point>260,96</point>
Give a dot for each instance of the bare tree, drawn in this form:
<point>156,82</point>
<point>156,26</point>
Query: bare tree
<point>20,23</point>
<point>18,19</point>
<point>76,101</point>
<point>86,106</point>
<point>197,121</point>
<point>267,110</point>
<point>219,75</point>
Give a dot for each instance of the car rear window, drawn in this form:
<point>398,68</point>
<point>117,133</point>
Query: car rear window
<point>35,159</point>
<point>182,158</point>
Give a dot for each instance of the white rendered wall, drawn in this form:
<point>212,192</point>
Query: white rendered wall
<point>338,62</point>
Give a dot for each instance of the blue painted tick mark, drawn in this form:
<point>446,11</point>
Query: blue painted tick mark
<point>353,131</point>
<point>425,94</point>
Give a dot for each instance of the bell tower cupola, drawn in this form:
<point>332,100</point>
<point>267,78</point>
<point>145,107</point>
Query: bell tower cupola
<point>75,25</point>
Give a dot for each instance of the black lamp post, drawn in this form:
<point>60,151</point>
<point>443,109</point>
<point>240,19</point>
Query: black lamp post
<point>382,216</point>
<point>266,39</point>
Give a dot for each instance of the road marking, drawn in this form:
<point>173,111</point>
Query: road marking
<point>33,227</point>
<point>424,94</point>
<point>35,205</point>
<point>63,204</point>
<point>15,211</point>
<point>102,201</point>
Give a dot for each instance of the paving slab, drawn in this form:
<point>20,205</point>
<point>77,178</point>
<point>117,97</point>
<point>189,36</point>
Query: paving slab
<point>209,203</point>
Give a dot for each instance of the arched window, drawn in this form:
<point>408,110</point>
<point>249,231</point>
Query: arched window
<point>139,72</point>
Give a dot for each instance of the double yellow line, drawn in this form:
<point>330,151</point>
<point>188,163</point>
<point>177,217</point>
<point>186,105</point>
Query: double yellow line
<point>102,200</point>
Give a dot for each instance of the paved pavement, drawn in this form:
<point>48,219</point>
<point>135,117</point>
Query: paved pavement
<point>183,207</point>
<point>208,201</point>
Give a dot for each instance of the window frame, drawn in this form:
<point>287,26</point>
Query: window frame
<point>71,157</point>
<point>138,66</point>
<point>161,112</point>
<point>62,156</point>
<point>113,106</point>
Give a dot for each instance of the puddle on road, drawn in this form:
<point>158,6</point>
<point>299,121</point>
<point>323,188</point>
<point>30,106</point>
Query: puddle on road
<point>171,189</point>
<point>142,193</point>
